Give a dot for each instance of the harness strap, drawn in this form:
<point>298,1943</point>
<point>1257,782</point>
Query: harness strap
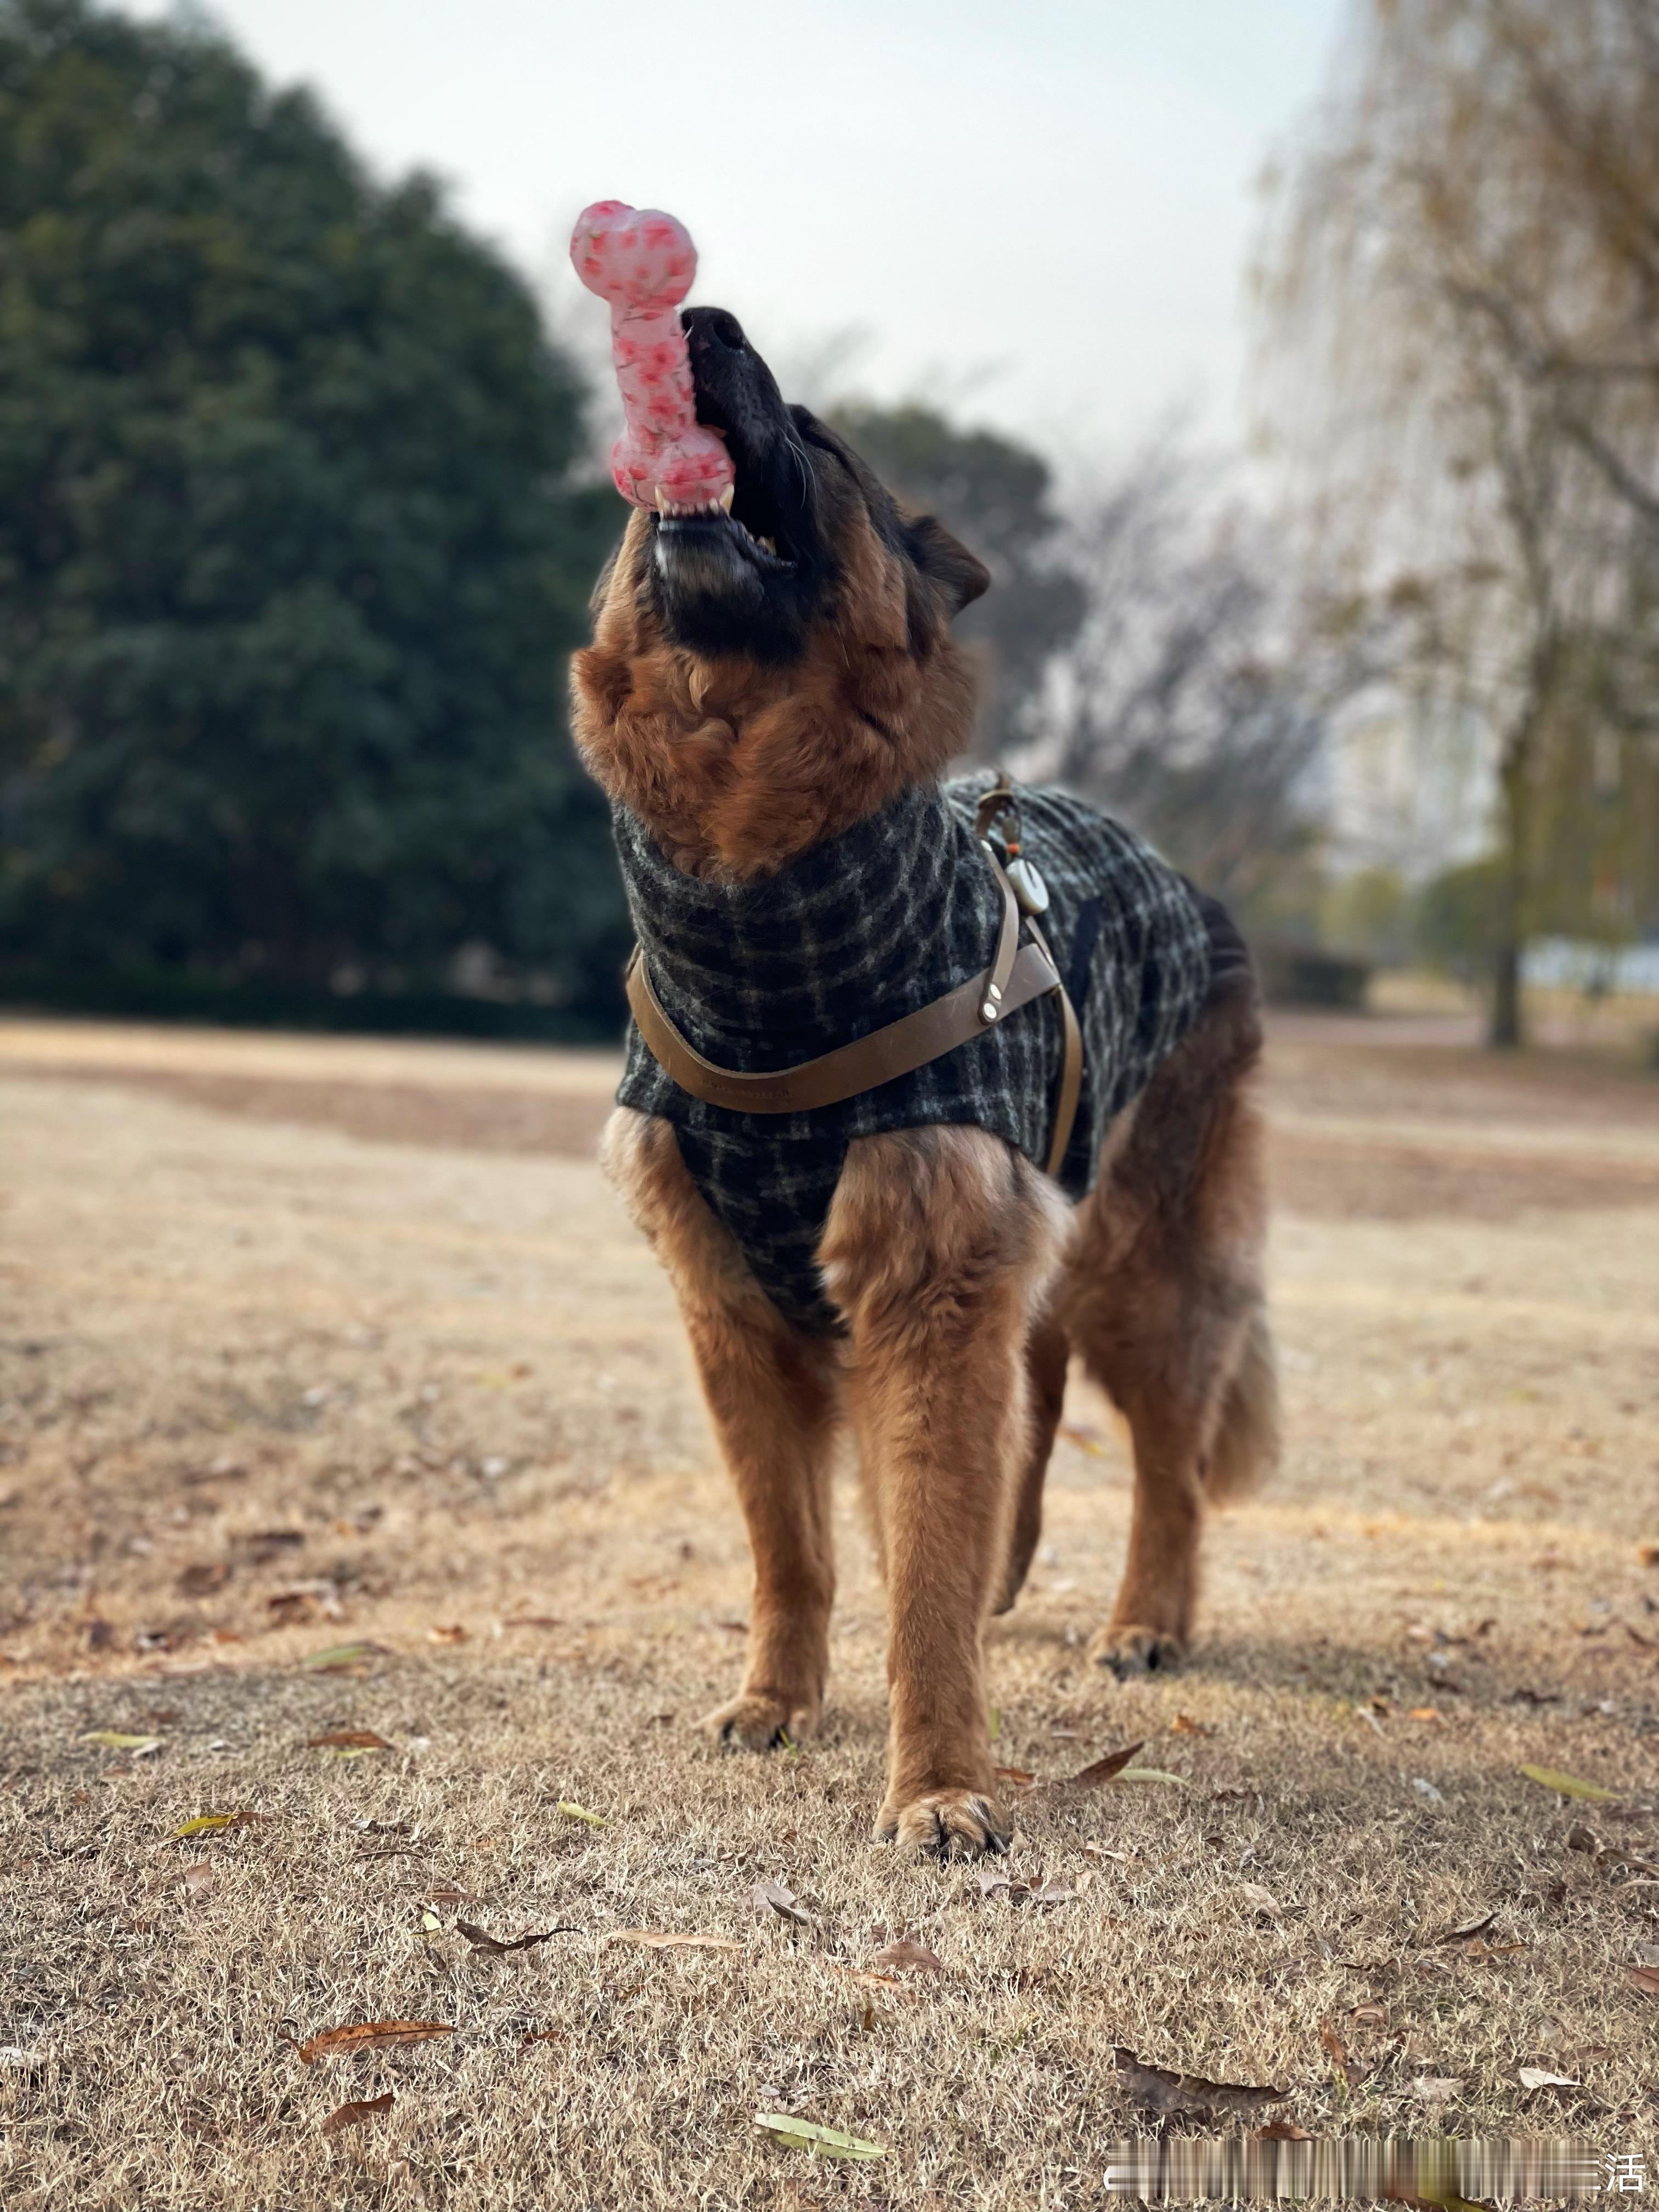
<point>1017,974</point>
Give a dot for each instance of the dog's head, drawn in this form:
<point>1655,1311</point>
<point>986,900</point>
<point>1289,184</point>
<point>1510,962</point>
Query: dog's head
<point>762,677</point>
<point>756,578</point>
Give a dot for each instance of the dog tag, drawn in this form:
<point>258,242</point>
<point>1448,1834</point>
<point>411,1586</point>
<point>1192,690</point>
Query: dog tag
<point>1029,888</point>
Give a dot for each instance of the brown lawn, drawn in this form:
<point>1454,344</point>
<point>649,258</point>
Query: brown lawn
<point>313,1344</point>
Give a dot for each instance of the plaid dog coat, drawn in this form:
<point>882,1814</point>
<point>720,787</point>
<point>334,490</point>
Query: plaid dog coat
<point>867,927</point>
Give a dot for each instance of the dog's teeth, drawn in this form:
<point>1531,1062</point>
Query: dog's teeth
<point>726,497</point>
<point>663,507</point>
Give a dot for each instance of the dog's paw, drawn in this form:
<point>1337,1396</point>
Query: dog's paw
<point>945,1824</point>
<point>757,1721</point>
<point>1129,1652</point>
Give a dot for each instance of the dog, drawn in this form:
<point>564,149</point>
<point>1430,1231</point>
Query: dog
<point>769,689</point>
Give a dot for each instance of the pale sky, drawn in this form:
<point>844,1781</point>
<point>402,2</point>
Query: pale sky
<point>1039,214</point>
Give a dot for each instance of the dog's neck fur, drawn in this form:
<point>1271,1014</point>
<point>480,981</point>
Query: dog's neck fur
<point>736,769</point>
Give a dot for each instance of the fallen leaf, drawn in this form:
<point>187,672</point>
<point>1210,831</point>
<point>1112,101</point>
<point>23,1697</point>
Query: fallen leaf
<point>1261,1898</point>
<point>1052,1893</point>
<point>575,1812</point>
<point>1162,2091</point>
<point>865,1976</point>
<point>1436,2089</point>
<point>1018,1778</point>
<point>1184,1725</point>
<point>113,1739</point>
<point>493,1947</point>
<point>353,2114</point>
<point>1427,1790</point>
<point>1580,1838</point>
<point>340,1658</point>
<point>1104,1770</point>
<point>1428,1713</point>
<point>1152,1774</point>
<point>456,1634</point>
<point>910,1956</point>
<point>1085,1440</point>
<point>348,1740</point>
<point>202,1577</point>
<point>1539,2077</point>
<point>1645,1979</point>
<point>206,1823</point>
<point>1465,1928</point>
<point>773,1897</point>
<point>1282,2131</point>
<point>430,1922</point>
<point>820,2142</point>
<point>544,2035</point>
<point>367,2035</point>
<point>198,1879</point>
<point>990,1881</point>
<point>534,1620</point>
<point>667,1939</point>
<point>1569,1785</point>
<point>1368,2015</point>
<point>1337,2052</point>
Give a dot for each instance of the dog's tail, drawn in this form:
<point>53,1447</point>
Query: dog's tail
<point>1246,1442</point>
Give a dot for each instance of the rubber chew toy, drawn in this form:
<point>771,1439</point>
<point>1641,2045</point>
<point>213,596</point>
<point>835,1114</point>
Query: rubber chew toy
<point>642,263</point>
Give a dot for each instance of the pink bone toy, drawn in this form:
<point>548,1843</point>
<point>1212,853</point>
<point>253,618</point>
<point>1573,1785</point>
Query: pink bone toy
<point>643,263</point>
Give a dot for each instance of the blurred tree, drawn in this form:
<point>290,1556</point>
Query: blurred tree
<point>1368,912</point>
<point>995,495</point>
<point>288,561</point>
<point>1457,918</point>
<point>1200,690</point>
<point>1461,288</point>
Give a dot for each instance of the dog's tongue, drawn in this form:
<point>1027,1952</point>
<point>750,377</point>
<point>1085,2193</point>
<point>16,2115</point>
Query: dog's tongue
<point>642,262</point>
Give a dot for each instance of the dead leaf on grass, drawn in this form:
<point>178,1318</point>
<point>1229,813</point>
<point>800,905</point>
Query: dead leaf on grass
<point>493,1947</point>
<point>1336,2050</point>
<point>572,1811</point>
<point>355,2111</point>
<point>367,2035</point>
<point>1160,2090</point>
<point>1569,1785</point>
<point>773,1897</point>
<point>1368,2015</point>
<point>1152,1774</point>
<point>140,1747</point>
<point>342,1658</point>
<point>544,2035</point>
<point>348,1740</point>
<point>1539,2077</point>
<point>1017,1778</point>
<point>667,1939</point>
<point>1104,1770</point>
<point>453,1634</point>
<point>1437,2089</point>
<point>1646,1979</point>
<point>1052,1893</point>
<point>818,2141</point>
<point>1281,2131</point>
<point>1465,1928</point>
<point>198,1879</point>
<point>1184,1725</point>
<point>202,1577</point>
<point>210,1823</point>
<point>909,1956</point>
<point>1260,1899</point>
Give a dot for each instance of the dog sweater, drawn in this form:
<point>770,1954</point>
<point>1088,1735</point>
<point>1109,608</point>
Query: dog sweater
<point>868,927</point>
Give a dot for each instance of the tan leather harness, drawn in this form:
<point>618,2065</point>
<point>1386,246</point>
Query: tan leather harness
<point>1017,974</point>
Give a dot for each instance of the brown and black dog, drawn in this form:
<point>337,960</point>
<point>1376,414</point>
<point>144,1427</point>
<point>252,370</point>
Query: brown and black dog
<point>759,682</point>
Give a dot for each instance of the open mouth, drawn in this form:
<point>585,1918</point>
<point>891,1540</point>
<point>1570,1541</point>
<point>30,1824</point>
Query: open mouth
<point>722,523</point>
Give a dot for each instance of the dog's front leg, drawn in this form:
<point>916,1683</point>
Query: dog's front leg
<point>773,1396</point>
<point>940,1244</point>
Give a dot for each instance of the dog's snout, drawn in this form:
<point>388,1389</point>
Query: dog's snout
<point>723,332</point>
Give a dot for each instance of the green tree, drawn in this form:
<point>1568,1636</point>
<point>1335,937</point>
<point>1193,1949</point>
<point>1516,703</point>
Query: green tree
<point>289,560</point>
<point>994,495</point>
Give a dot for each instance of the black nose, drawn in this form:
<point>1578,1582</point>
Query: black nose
<point>723,330</point>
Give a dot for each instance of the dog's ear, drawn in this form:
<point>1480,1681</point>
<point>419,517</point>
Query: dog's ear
<point>946,561</point>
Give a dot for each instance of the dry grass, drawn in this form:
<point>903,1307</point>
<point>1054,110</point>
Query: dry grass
<point>311,1344</point>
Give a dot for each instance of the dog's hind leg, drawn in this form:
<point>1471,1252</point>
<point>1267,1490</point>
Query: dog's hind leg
<point>773,1396</point>
<point>1046,1361</point>
<point>940,1245</point>
<point>1164,1302</point>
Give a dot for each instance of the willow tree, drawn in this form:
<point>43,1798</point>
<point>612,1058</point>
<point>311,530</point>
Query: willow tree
<point>1460,288</point>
